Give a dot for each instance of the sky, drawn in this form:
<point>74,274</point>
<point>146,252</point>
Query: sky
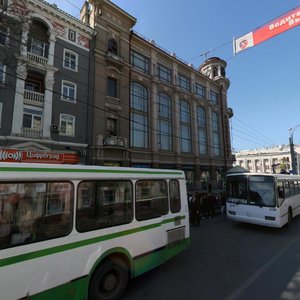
<point>265,80</point>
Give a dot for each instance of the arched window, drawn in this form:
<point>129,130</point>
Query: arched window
<point>202,130</point>
<point>216,134</point>
<point>164,122</point>
<point>112,46</point>
<point>185,126</point>
<point>215,72</point>
<point>139,115</point>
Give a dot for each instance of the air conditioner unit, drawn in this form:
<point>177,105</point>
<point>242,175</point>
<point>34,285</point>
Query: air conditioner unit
<point>55,128</point>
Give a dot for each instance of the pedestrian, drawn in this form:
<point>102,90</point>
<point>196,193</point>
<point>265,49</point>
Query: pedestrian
<point>195,210</point>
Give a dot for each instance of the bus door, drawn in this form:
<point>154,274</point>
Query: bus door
<point>151,208</point>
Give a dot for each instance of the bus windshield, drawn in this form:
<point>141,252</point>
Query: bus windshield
<point>253,190</point>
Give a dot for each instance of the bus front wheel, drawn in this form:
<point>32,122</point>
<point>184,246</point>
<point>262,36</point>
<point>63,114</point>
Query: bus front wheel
<point>109,281</point>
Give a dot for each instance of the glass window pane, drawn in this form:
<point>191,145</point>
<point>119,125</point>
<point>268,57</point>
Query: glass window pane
<point>151,199</point>
<point>103,204</point>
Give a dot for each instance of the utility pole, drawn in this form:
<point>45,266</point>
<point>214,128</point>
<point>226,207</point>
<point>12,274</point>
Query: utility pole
<point>292,149</point>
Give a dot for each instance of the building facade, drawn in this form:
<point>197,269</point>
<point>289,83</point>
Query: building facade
<point>44,74</point>
<point>268,160</point>
<point>152,109</point>
<point>93,91</point>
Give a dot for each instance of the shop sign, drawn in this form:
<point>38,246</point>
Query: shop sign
<point>26,156</point>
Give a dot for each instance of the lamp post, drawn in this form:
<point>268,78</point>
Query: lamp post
<point>293,155</point>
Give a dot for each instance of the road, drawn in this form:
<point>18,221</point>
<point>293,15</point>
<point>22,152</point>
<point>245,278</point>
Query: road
<point>228,261</point>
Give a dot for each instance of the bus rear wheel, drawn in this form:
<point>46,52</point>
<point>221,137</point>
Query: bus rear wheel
<point>109,281</point>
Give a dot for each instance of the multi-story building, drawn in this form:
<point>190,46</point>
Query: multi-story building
<point>44,89</point>
<point>151,108</point>
<point>268,160</point>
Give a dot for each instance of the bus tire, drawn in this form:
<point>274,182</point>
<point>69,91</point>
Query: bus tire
<point>290,217</point>
<point>109,281</point>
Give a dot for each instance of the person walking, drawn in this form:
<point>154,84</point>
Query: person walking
<point>195,210</point>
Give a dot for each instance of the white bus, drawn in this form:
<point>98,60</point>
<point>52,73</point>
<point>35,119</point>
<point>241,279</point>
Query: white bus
<point>81,232</point>
<point>264,199</point>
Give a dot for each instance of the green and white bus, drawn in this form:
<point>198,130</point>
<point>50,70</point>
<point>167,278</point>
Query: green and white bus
<point>265,199</point>
<point>81,232</point>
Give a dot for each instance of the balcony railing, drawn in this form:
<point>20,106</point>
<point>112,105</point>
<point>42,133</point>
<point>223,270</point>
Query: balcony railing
<point>115,141</point>
<point>114,58</point>
<point>32,133</point>
<point>38,51</point>
<point>35,98</point>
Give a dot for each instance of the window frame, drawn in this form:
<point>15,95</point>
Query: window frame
<point>140,198</point>
<point>214,97</point>
<point>68,86</point>
<point>164,73</point>
<point>2,72</point>
<point>72,120</point>
<point>112,87</point>
<point>200,90</point>
<point>184,83</point>
<point>36,117</point>
<point>97,204</point>
<point>164,120</point>
<point>140,62</point>
<point>185,127</point>
<point>68,62</point>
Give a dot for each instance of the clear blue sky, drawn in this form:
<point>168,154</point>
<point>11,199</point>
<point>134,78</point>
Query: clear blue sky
<point>265,80</point>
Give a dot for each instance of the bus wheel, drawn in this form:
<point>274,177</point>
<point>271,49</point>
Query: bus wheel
<point>109,281</point>
<point>290,217</point>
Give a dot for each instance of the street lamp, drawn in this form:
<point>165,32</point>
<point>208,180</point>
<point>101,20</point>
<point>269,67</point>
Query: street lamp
<point>293,155</point>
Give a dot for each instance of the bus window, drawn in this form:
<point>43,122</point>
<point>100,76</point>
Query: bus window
<point>175,203</point>
<point>261,190</point>
<point>151,199</point>
<point>286,189</point>
<point>237,189</point>
<point>24,215</point>
<point>103,204</point>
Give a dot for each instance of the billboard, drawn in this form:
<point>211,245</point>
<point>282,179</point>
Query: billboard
<point>279,25</point>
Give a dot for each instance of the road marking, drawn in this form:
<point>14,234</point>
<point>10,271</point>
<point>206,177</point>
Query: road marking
<point>251,279</point>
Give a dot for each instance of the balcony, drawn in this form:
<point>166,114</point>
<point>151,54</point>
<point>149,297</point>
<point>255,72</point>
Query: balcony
<point>114,59</point>
<point>34,98</point>
<point>115,141</point>
<point>32,133</point>
<point>38,51</point>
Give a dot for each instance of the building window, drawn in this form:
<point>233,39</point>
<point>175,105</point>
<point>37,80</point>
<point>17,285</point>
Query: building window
<point>111,126</point>
<point>164,122</point>
<point>216,134</point>
<point>32,118</point>
<point>33,86</point>
<point>68,91</point>
<point>202,131</point>
<point>140,61</point>
<point>112,46</point>
<point>214,97</point>
<point>70,60</point>
<point>67,125</point>
<point>2,72</point>
<point>3,36</point>
<point>185,127</point>
<point>112,85</point>
<point>1,106</point>
<point>139,115</point>
<point>200,90</point>
<point>184,83</point>
<point>164,73</point>
<point>72,35</point>
<point>39,48</point>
